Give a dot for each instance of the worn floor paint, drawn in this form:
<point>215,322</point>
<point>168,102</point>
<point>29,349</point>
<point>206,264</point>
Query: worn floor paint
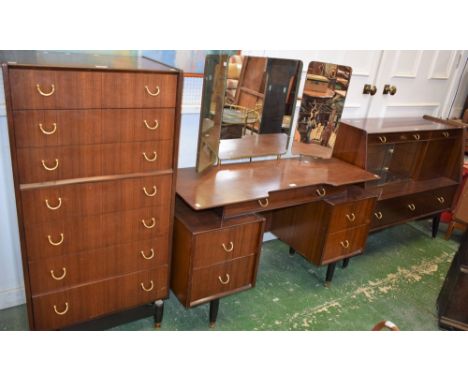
<point>398,279</point>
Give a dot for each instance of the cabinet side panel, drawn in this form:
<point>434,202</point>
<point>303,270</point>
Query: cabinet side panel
<point>350,145</point>
<point>180,266</point>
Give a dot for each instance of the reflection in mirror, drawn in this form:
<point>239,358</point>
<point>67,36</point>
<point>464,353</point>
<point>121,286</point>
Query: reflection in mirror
<point>322,104</point>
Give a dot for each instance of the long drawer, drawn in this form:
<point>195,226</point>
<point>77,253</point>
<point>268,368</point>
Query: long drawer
<point>90,301</point>
<point>83,199</point>
<point>67,162</point>
<point>344,243</point>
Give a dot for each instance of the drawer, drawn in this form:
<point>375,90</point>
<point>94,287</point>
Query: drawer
<point>90,301</point>
<point>58,202</point>
<point>223,279</point>
<point>344,243</point>
<point>350,214</point>
<point>72,235</point>
<point>222,245</point>
<point>54,89</point>
<point>138,90</point>
<point>59,272</point>
<point>406,136</point>
<point>68,162</point>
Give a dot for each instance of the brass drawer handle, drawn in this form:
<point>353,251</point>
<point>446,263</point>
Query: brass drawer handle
<point>227,279</point>
<point>263,204</point>
<point>345,244</point>
<point>411,206</point>
<point>351,217</point>
<point>321,192</point>
<point>50,168</point>
<point>378,215</point>
<point>54,207</point>
<point>152,94</point>
<point>417,137</point>
<point>383,139</point>
<point>231,247</point>
<point>64,273</point>
<point>441,199</point>
<point>63,311</point>
<point>47,132</point>
<point>56,244</point>
<point>155,156</point>
<point>152,225</point>
<point>52,90</point>
<point>151,287</point>
<point>147,257</point>
<point>154,127</point>
<point>446,134</point>
<point>155,191</point>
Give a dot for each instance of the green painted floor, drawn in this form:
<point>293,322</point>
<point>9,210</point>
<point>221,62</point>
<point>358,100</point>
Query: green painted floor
<point>398,279</point>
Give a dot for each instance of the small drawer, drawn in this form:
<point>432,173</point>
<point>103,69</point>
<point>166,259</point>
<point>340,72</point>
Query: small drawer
<point>405,136</point>
<point>43,89</point>
<point>350,214</point>
<point>61,309</point>
<point>138,90</point>
<point>223,279</point>
<point>345,243</point>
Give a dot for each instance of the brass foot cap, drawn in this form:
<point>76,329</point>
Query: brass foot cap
<point>212,324</point>
<point>157,325</point>
<point>327,284</point>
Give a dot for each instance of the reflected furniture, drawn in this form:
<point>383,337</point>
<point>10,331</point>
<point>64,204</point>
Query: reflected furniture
<point>94,152</point>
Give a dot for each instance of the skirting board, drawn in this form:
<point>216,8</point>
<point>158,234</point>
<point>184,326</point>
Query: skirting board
<point>12,297</point>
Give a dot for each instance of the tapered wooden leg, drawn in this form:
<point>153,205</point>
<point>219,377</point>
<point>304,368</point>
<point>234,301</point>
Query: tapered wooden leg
<point>450,228</point>
<point>214,306</point>
<point>345,262</point>
<point>330,272</point>
<point>158,313</point>
<point>435,225</point>
<point>291,251</point>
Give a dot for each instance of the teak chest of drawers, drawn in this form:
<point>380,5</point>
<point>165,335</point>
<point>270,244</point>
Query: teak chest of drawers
<point>94,154</point>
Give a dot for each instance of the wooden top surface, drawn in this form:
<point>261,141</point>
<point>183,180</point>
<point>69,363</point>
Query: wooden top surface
<point>311,149</point>
<point>252,146</point>
<point>234,183</point>
<point>71,60</point>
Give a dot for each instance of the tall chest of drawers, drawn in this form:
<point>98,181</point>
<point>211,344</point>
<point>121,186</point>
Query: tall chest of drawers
<point>94,153</point>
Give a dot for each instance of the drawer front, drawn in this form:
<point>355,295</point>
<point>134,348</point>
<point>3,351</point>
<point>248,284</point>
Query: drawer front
<point>352,214</point>
<point>90,301</point>
<point>72,235</point>
<point>406,136</point>
<point>219,246</point>
<point>55,89</point>
<point>138,90</point>
<point>222,279</point>
<point>53,203</point>
<point>345,243</point>
<point>54,273</point>
<point>56,163</point>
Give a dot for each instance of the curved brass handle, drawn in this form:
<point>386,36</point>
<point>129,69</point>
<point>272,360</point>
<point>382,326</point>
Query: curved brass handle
<point>150,93</point>
<point>411,206</point>
<point>155,156</point>
<point>147,257</point>
<point>50,168</point>
<point>63,311</point>
<point>351,217</point>
<point>56,244</point>
<point>47,132</point>
<point>54,207</point>
<point>383,138</point>
<point>369,89</point>
<point>378,215</point>
<point>417,137</point>
<point>147,289</point>
<point>64,273</point>
<point>152,225</point>
<point>345,244</point>
<point>389,89</point>
<point>228,278</point>
<point>441,199</point>
<point>155,191</point>
<point>154,127</point>
<point>264,203</point>
<point>231,247</point>
<point>52,90</point>
<point>446,134</point>
<point>321,192</point>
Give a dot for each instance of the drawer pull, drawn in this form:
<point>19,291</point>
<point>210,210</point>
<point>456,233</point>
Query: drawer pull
<point>383,139</point>
<point>63,311</point>
<point>345,244</point>
<point>50,168</point>
<point>152,94</point>
<point>155,156</point>
<point>155,191</point>
<point>321,192</point>
<point>152,225</point>
<point>351,217</point>
<point>56,244</point>
<point>147,257</point>
<point>378,215</point>
<point>446,134</point>
<point>417,137</point>
<point>231,247</point>
<point>154,127</point>
<point>64,273</point>
<point>264,203</point>
<point>52,90</point>
<point>46,132</point>
<point>227,279</point>
<point>441,199</point>
<point>411,206</point>
<point>151,287</point>
<point>54,207</point>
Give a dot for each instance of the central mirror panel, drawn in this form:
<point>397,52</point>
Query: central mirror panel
<point>248,107</point>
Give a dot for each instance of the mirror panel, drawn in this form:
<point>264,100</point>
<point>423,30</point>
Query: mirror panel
<point>322,104</point>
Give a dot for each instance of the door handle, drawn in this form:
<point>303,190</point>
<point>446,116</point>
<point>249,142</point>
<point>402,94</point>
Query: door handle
<point>389,89</point>
<point>369,89</point>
